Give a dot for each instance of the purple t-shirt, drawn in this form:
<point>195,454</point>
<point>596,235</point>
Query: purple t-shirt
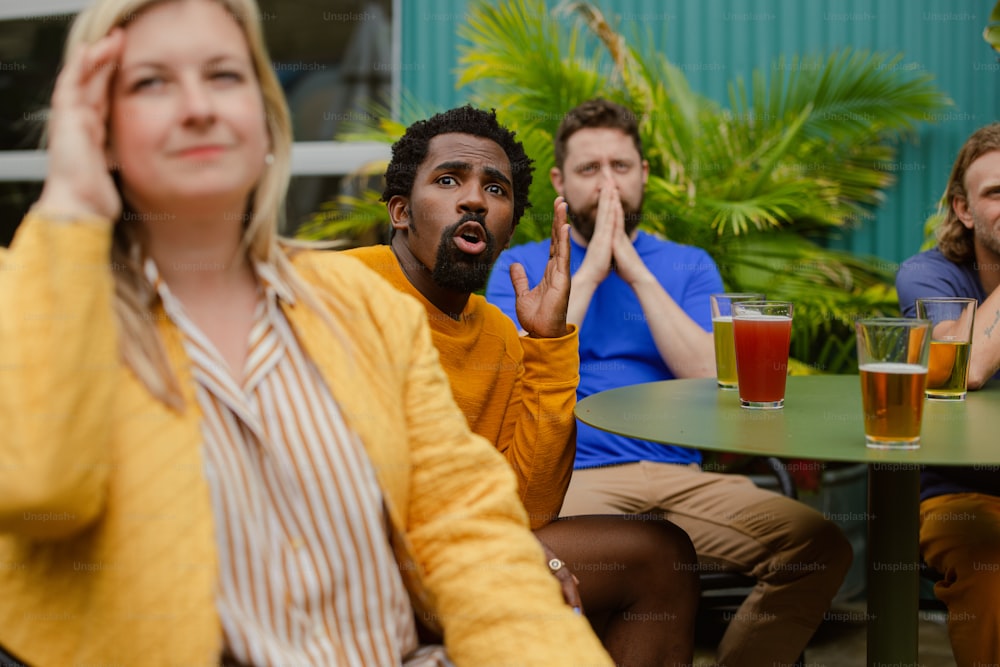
<point>931,274</point>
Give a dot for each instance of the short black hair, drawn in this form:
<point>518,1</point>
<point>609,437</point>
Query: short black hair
<point>411,150</point>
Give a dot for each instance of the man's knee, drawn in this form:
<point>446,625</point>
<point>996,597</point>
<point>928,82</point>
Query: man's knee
<point>837,550</point>
<point>815,546</point>
<point>663,549</point>
<point>670,539</point>
<point>677,561</point>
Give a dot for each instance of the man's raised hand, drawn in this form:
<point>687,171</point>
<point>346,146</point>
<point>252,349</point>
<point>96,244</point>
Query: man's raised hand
<point>542,310</point>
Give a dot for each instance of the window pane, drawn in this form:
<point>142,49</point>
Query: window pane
<point>333,59</point>
<point>30,51</point>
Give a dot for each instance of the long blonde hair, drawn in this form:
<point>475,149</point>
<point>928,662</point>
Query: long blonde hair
<point>141,347</point>
<point>955,240</point>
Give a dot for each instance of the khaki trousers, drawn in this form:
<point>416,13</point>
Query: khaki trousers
<point>798,557</point>
<point>960,538</point>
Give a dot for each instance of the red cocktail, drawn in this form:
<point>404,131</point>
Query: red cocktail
<point>762,332</point>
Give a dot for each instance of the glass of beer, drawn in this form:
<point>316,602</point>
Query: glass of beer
<point>951,345</point>
<point>762,332</point>
<point>892,361</point>
<point>722,331</point>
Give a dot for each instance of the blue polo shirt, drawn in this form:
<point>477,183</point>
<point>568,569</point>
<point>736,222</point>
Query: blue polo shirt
<point>616,346</point>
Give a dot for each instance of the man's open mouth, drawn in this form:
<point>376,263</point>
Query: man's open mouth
<point>470,237</point>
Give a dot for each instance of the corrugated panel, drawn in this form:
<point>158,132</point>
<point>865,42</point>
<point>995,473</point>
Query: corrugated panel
<point>716,41</point>
<point>430,50</point>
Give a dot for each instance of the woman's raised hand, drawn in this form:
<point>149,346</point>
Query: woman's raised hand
<point>78,182</point>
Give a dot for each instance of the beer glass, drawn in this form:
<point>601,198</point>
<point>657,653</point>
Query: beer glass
<point>722,331</point>
<point>892,361</point>
<point>762,332</point>
<point>951,345</point>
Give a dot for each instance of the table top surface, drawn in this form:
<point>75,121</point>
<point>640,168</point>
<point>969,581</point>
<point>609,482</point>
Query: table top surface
<point>821,420</point>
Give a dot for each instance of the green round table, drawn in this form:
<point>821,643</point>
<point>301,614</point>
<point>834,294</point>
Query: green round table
<point>822,420</point>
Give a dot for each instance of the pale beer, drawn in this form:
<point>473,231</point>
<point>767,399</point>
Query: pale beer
<point>952,319</point>
<point>722,333</point>
<point>725,352</point>
<point>892,397</point>
<point>948,369</point>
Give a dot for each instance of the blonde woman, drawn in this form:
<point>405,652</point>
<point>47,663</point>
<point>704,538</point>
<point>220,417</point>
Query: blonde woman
<point>214,449</point>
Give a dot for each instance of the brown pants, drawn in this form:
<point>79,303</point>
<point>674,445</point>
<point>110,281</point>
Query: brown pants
<point>798,557</point>
<point>960,538</point>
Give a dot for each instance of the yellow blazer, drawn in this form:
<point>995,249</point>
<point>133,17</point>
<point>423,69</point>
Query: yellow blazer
<point>107,550</point>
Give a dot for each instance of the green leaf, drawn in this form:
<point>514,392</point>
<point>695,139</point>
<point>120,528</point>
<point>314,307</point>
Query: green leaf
<point>992,31</point>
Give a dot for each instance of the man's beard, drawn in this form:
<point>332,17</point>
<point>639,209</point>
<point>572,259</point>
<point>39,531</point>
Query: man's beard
<point>984,233</point>
<point>458,271</point>
<point>584,222</point>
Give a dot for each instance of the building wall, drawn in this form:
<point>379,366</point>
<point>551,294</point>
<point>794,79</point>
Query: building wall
<point>717,41</point>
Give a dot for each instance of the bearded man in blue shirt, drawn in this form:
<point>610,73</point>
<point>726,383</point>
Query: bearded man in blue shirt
<point>642,306</point>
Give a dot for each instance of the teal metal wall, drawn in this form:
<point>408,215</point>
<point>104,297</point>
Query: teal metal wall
<point>716,41</point>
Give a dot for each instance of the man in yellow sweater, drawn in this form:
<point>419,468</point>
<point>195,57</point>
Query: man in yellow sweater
<point>455,189</point>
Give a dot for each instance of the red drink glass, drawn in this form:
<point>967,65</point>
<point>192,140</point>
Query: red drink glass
<point>762,331</point>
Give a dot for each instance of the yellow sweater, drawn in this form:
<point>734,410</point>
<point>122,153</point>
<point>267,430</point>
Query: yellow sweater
<point>107,551</point>
<point>517,392</point>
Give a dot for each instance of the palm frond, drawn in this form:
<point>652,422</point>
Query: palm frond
<point>536,66</point>
<point>345,217</point>
<point>991,33</point>
<point>854,95</point>
<point>383,124</point>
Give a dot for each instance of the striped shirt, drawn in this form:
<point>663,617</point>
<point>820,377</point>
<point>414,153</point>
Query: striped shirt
<point>307,575</point>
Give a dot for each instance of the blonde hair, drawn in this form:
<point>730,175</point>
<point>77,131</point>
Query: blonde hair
<point>955,240</point>
<point>140,344</point>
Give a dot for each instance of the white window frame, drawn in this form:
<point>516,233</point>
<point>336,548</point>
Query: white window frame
<point>309,158</point>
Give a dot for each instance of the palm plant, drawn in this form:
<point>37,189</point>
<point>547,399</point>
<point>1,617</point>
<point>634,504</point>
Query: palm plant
<point>796,155</point>
<point>991,33</point>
